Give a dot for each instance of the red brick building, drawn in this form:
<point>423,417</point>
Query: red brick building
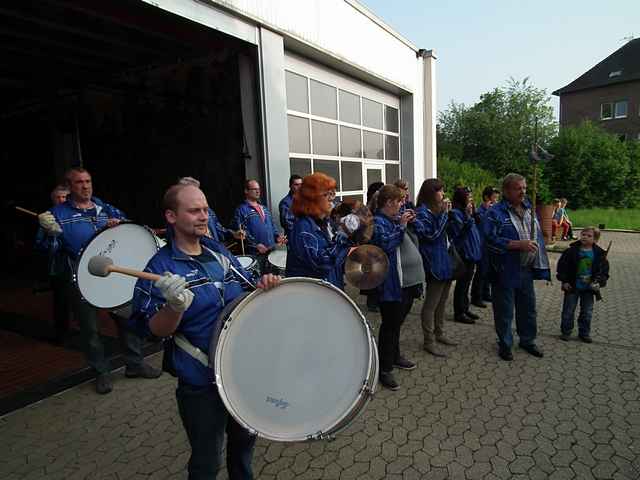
<point>608,94</point>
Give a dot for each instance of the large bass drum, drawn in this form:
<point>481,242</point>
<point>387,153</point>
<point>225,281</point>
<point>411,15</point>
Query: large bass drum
<point>290,371</point>
<point>128,245</point>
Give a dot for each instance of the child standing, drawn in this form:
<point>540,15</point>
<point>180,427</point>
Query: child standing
<point>583,268</point>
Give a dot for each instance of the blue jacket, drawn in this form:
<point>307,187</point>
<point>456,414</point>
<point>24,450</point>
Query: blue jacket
<point>388,235</point>
<point>287,218</point>
<point>504,264</point>
<point>257,231</point>
<point>431,230</point>
<point>217,230</point>
<point>312,253</point>
<point>50,246</point>
<point>79,226</point>
<point>212,290</point>
<point>464,234</point>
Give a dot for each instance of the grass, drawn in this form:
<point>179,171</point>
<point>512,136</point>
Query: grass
<point>624,219</point>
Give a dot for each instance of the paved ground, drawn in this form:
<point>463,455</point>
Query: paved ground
<point>573,414</point>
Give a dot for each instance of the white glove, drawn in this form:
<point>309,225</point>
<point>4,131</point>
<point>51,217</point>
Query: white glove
<point>49,224</point>
<point>350,223</point>
<point>174,289</point>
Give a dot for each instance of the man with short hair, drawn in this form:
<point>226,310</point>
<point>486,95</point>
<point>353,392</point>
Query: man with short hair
<point>256,220</point>
<point>287,218</point>
<point>481,288</point>
<point>72,224</point>
<point>185,305</point>
<point>515,262</point>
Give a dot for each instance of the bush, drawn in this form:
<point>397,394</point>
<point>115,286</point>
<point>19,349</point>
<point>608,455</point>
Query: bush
<point>455,174</point>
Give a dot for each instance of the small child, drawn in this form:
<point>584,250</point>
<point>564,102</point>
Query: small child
<point>583,269</point>
<point>558,221</point>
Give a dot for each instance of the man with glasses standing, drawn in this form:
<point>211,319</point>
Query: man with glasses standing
<point>257,222</point>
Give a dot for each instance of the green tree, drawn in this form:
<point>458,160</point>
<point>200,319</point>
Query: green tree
<point>455,174</point>
<point>497,132</point>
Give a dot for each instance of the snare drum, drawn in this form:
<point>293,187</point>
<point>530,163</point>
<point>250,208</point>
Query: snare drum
<point>296,373</point>
<point>128,245</point>
<point>249,263</point>
<point>277,261</point>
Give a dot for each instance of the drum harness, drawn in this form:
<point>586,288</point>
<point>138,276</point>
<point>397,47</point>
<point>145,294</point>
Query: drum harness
<point>179,339</point>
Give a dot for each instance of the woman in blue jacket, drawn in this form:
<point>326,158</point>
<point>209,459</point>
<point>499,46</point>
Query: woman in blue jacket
<point>465,236</point>
<point>313,250</point>
<point>402,283</point>
<point>430,226</point>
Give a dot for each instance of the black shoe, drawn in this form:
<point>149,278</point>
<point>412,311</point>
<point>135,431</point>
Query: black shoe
<point>103,384</point>
<point>479,304</point>
<point>488,299</point>
<point>373,308</point>
<point>565,337</point>
<point>505,354</point>
<point>586,339</point>
<point>464,319</point>
<point>532,350</point>
<point>404,364</point>
<point>387,380</point>
<point>144,370</point>
<point>471,315</point>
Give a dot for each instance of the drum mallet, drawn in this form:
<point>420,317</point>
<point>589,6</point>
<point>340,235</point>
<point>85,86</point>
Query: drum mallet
<point>102,266</point>
<point>24,210</point>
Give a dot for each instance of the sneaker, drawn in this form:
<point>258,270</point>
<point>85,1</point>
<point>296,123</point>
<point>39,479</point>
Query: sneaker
<point>471,315</point>
<point>505,354</point>
<point>387,380</point>
<point>532,350</point>
<point>565,337</point>
<point>433,350</point>
<point>404,364</point>
<point>445,341</point>
<point>144,370</point>
<point>103,384</point>
<point>586,339</point>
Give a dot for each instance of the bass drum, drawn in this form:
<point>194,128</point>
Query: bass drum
<point>128,245</point>
<point>296,373</point>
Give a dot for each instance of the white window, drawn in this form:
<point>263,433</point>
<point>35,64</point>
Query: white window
<point>620,110</point>
<point>340,127</point>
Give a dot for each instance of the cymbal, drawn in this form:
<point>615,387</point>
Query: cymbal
<point>366,267</point>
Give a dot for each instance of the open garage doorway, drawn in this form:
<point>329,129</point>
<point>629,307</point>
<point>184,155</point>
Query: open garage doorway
<point>137,96</point>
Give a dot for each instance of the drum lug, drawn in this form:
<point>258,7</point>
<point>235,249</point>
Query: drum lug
<point>366,389</point>
<point>321,436</point>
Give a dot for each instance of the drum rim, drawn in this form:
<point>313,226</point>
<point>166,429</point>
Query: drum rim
<point>88,242</point>
<point>345,418</point>
<point>252,257</point>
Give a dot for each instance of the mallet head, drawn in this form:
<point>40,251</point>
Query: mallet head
<point>99,266</point>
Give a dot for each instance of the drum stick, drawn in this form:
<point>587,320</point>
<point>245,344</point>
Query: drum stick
<point>242,239</point>
<point>24,210</point>
<point>102,266</point>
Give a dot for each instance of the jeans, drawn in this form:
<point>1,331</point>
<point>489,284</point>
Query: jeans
<point>481,287</point>
<point>393,315</point>
<point>569,309</point>
<point>205,419</point>
<point>87,317</point>
<point>61,310</point>
<point>433,307</point>
<point>523,299</point>
<point>461,290</point>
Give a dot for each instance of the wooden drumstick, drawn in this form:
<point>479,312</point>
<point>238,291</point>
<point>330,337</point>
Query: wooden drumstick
<point>24,210</point>
<point>242,239</point>
<point>102,266</point>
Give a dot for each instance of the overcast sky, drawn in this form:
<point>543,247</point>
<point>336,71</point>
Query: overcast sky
<point>480,44</point>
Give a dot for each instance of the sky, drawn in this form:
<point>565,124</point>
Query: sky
<point>479,45</point>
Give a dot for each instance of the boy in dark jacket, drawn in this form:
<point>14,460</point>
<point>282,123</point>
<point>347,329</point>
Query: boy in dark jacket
<point>583,269</point>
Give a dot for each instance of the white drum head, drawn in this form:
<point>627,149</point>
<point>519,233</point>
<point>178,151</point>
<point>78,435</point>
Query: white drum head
<point>128,245</point>
<point>295,373</point>
<point>278,258</point>
<point>246,261</point>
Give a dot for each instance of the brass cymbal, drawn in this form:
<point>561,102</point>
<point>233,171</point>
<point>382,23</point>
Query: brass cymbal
<point>366,267</point>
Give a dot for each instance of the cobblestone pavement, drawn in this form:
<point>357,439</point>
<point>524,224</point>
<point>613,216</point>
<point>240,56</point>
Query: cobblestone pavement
<point>573,414</point>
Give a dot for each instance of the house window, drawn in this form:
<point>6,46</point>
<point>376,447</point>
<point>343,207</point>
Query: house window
<point>606,111</point>
<point>620,110</point>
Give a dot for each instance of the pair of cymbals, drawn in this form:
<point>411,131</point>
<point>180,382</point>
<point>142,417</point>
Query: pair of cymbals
<point>366,267</point>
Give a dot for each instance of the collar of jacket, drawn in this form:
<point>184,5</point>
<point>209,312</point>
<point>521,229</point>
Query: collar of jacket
<point>177,254</point>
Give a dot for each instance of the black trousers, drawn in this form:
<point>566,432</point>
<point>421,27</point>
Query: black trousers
<point>461,291</point>
<point>393,315</point>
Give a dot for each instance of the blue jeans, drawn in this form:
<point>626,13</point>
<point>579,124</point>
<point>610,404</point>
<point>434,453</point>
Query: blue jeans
<point>569,309</point>
<point>205,419</point>
<point>523,299</point>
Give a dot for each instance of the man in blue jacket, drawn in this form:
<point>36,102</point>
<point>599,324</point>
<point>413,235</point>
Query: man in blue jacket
<point>69,226</point>
<point>287,218</point>
<point>185,304</point>
<point>256,221</point>
<point>515,261</point>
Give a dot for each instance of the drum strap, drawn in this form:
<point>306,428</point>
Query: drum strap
<point>191,349</point>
